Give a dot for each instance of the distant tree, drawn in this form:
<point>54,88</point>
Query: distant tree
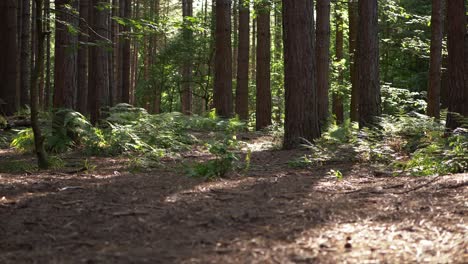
<point>8,57</point>
<point>323,57</point>
<point>186,87</point>
<point>353,16</point>
<point>368,56</point>
<point>457,65</point>
<point>301,117</point>
<point>242,90</point>
<point>337,99</point>
<point>66,50</point>
<point>222,97</point>
<point>83,56</point>
<point>433,93</point>
<point>263,102</point>
<point>98,93</point>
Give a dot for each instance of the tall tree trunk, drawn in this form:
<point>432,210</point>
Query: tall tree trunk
<point>301,120</point>
<point>8,56</point>
<point>278,58</point>
<point>98,94</point>
<point>433,93</point>
<point>242,90</point>
<point>186,93</point>
<point>323,58</point>
<point>368,42</point>
<point>134,56</point>
<point>338,108</point>
<point>263,102</point>
<point>253,53</point>
<point>353,16</point>
<point>41,154</point>
<point>155,45</point>
<point>83,56</point>
<point>235,37</point>
<point>125,57</point>
<point>458,86</point>
<point>66,43</point>
<point>223,60</point>
<point>25,68</point>
<point>48,85</point>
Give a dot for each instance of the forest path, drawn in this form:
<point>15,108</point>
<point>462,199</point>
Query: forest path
<point>271,214</point>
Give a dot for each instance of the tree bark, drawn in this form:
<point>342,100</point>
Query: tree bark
<point>8,57</point>
<point>83,56</point>
<point>25,68</point>
<point>98,94</point>
<point>223,60</point>
<point>301,117</point>
<point>368,45</point>
<point>338,109</point>
<point>433,93</point>
<point>125,57</point>
<point>353,16</point>
<point>186,93</point>
<point>48,86</point>
<point>323,58</point>
<point>263,96</point>
<point>278,58</point>
<point>41,154</point>
<point>457,68</point>
<point>66,43</point>
<point>242,90</point>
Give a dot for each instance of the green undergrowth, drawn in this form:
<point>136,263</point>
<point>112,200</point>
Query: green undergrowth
<point>132,132</point>
<point>413,144</point>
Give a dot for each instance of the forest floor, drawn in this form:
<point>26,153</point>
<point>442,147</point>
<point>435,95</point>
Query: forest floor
<point>271,214</point>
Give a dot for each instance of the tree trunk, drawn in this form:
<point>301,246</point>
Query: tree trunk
<point>8,57</point>
<point>458,86</point>
<point>223,60</point>
<point>98,94</point>
<point>368,55</point>
<point>338,108</point>
<point>353,16</point>
<point>242,90</point>
<point>186,93</point>
<point>323,58</point>
<point>301,120</point>
<point>41,154</point>
<point>48,86</point>
<point>125,57</point>
<point>278,62</point>
<point>66,43</point>
<point>433,93</point>
<point>235,37</point>
<point>263,102</point>
<point>83,55</point>
<point>253,53</point>
<point>25,61</point>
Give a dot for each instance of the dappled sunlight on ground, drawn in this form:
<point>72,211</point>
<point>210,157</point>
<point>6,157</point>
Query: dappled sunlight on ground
<point>272,213</point>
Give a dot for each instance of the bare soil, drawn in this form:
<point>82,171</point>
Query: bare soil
<point>271,214</point>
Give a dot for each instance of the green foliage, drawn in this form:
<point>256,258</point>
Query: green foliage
<point>220,165</point>
<point>304,161</point>
<point>336,173</point>
<point>23,141</point>
<point>397,101</point>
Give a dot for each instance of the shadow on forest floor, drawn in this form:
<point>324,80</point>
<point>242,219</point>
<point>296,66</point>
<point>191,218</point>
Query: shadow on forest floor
<point>273,214</point>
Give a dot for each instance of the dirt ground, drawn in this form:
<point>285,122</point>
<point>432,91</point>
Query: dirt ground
<point>271,214</point>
